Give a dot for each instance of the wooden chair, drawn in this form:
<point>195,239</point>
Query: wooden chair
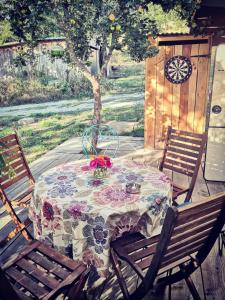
<point>12,153</point>
<point>40,272</point>
<point>182,154</point>
<point>185,241</point>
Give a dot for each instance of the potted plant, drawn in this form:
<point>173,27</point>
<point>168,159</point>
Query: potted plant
<point>100,164</point>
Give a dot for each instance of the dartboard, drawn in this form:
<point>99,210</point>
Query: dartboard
<point>178,69</point>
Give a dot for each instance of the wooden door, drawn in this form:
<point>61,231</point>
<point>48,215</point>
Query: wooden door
<point>180,105</point>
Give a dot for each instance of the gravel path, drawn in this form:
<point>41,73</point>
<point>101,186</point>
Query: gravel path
<point>114,101</point>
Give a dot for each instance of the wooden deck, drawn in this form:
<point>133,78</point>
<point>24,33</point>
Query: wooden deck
<point>213,267</point>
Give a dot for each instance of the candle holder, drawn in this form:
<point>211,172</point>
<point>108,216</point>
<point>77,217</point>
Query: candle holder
<point>133,188</point>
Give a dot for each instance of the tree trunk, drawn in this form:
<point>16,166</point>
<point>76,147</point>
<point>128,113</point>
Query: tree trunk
<point>97,109</point>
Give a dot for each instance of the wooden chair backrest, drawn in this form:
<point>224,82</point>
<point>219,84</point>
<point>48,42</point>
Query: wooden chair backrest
<point>39,269</point>
<point>148,253</point>
<point>12,151</point>
<point>196,230</point>
<point>183,151</point>
<point>193,230</point>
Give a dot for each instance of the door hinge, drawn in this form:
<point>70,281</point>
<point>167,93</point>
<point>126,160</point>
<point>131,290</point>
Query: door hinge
<point>203,55</point>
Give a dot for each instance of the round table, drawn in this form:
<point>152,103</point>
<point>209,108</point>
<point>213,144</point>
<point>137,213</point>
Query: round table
<point>80,214</point>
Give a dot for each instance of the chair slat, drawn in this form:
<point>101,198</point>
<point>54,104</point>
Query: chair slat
<point>24,199</point>
<point>182,253</point>
<point>48,265</point>
<point>17,166</point>
<point>20,293</point>
<point>198,213</point>
<point>33,271</point>
<point>8,152</point>
<point>174,248</point>
<point>183,152</point>
<point>143,253</point>
<point>145,262</point>
<point>130,239</point>
<point>17,163</point>
<point>180,157</point>
<point>179,164</point>
<point>141,244</point>
<point>27,282</point>
<point>186,240</point>
<point>8,138</point>
<point>186,139</point>
<point>5,178</point>
<point>182,132</point>
<point>14,180</point>
<point>184,146</point>
<point>14,156</point>
<point>56,256</point>
<point>11,144</point>
<point>195,223</point>
<point>178,170</point>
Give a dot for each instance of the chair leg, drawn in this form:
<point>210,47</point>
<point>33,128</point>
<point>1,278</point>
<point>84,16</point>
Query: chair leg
<point>221,242</point>
<point>192,288</point>
<point>119,275</point>
<point>203,283</point>
<point>169,287</point>
<point>174,202</point>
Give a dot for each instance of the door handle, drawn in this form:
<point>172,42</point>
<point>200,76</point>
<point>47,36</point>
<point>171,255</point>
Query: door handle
<point>216,109</point>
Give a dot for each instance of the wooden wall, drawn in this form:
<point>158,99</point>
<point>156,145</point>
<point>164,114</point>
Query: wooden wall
<point>56,68</point>
<point>180,105</point>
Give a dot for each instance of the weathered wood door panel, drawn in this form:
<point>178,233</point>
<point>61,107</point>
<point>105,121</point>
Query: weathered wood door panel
<point>180,105</point>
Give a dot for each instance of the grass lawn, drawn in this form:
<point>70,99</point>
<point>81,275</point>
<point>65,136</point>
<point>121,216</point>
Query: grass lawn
<point>52,129</point>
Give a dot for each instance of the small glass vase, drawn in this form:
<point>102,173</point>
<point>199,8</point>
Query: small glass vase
<point>100,173</point>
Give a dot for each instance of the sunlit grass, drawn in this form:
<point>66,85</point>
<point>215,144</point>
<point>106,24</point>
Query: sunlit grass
<point>51,129</point>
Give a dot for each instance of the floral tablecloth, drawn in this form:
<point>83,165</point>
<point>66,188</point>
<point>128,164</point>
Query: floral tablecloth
<point>80,214</point>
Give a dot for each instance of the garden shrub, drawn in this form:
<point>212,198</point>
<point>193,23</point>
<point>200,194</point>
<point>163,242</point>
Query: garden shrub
<point>17,91</point>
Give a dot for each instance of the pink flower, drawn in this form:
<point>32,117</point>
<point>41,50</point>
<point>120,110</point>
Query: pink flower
<point>114,196</point>
<point>100,162</point>
<point>158,201</point>
<point>108,164</point>
<point>93,164</point>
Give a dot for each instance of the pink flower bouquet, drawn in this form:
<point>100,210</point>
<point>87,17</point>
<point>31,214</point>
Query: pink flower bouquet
<point>100,164</point>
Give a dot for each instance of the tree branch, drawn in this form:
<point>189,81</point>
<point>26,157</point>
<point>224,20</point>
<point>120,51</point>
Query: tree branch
<point>73,58</point>
<point>76,61</point>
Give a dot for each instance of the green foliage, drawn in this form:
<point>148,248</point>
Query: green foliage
<point>133,113</point>
<point>15,90</point>
<point>170,21</point>
<point>113,24</point>
<point>6,34</point>
<point>19,90</point>
<point>5,167</point>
